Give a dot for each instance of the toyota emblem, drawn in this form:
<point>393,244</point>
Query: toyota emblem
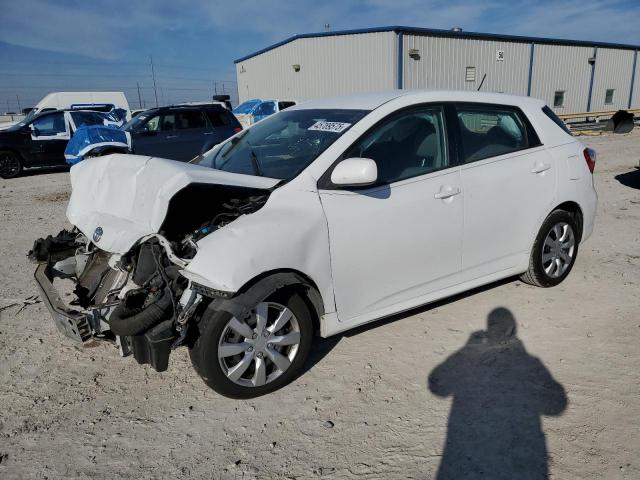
<point>97,234</point>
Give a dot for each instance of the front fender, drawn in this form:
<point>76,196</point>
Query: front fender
<point>289,232</point>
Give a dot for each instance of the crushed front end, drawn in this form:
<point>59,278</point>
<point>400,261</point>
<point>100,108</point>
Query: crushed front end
<point>137,299</point>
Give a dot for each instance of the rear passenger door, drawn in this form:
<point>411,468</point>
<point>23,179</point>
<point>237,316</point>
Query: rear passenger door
<point>189,135</point>
<point>509,183</point>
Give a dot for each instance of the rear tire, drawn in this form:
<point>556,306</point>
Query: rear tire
<point>554,251</point>
<point>10,164</point>
<point>264,354</point>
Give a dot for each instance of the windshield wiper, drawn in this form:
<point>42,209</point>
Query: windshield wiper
<point>255,163</point>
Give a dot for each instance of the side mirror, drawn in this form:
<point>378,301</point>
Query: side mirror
<point>355,172</point>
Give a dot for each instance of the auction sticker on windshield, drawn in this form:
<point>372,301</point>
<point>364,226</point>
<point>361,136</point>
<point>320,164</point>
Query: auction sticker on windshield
<point>324,126</point>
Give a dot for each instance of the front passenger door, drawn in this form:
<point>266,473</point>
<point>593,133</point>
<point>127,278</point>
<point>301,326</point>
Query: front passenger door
<point>395,242</point>
<point>49,137</point>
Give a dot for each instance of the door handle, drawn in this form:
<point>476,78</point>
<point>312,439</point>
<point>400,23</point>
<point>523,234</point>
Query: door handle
<point>209,133</point>
<point>540,167</point>
<point>446,192</point>
<point>171,136</point>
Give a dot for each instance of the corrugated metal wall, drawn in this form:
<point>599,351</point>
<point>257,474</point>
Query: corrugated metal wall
<point>562,68</point>
<point>635,99</point>
<point>329,66</point>
<point>613,71</point>
<point>443,62</point>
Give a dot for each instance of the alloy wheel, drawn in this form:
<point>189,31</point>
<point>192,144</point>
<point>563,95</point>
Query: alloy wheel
<point>558,250</point>
<point>9,165</point>
<point>259,348</point>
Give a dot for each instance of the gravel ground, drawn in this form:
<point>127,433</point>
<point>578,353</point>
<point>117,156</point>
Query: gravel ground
<point>552,386</point>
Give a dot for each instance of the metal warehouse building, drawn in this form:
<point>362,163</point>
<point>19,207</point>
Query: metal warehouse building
<point>571,76</point>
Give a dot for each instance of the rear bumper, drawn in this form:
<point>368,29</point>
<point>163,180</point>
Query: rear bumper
<point>71,323</point>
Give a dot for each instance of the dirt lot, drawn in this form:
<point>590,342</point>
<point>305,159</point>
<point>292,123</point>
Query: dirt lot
<point>376,403</point>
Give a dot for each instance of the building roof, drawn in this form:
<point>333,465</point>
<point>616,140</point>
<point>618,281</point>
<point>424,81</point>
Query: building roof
<point>445,33</point>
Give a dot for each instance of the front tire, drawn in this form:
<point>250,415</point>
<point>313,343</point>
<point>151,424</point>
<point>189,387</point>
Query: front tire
<point>554,251</point>
<point>10,164</point>
<point>258,354</point>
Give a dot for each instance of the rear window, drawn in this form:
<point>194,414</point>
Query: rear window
<point>557,120</point>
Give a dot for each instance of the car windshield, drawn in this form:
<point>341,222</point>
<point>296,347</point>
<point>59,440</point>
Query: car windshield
<point>247,107</point>
<point>282,145</point>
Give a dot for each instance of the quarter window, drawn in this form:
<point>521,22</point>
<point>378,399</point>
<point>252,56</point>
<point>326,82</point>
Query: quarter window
<point>406,145</point>
<point>558,98</point>
<point>488,132</point>
<point>219,118</point>
<point>608,95</point>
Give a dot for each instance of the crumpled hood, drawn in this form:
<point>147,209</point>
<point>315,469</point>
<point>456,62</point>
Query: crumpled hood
<point>117,199</point>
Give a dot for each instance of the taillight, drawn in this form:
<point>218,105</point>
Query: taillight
<point>237,129</point>
<point>590,158</point>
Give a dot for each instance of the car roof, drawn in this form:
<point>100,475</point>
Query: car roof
<point>373,100</point>
<point>185,107</point>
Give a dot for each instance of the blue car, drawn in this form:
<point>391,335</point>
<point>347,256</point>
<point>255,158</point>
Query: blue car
<point>252,111</point>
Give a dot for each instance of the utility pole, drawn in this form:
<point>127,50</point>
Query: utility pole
<point>18,99</point>
<point>153,74</point>
<point>215,87</point>
<point>139,98</point>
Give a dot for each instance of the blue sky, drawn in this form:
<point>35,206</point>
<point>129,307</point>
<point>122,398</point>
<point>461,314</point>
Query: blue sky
<point>53,45</point>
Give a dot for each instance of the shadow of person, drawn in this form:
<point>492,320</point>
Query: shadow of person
<point>499,393</point>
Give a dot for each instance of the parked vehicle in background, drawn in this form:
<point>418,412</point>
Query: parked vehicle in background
<point>177,132</point>
<point>40,140</point>
<point>253,111</point>
<point>319,219</point>
<point>67,100</point>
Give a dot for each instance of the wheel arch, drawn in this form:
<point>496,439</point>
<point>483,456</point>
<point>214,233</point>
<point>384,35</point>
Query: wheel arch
<point>575,210</point>
<point>15,151</point>
<point>289,278</point>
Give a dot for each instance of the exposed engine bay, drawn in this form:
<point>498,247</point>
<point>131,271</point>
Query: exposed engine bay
<point>138,299</point>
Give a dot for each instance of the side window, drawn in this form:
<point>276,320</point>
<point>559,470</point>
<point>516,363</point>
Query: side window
<point>188,119</point>
<point>152,125</point>
<point>266,108</point>
<point>488,132</point>
<point>218,118</point>
<point>49,125</point>
<point>87,118</point>
<point>406,145</point>
<point>168,122</point>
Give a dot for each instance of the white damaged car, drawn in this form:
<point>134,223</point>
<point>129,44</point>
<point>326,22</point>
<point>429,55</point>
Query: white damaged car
<point>323,217</point>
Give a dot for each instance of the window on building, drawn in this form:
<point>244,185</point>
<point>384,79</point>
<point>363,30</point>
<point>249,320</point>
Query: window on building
<point>405,145</point>
<point>608,95</point>
<point>558,98</point>
<point>470,74</point>
<point>489,132</point>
